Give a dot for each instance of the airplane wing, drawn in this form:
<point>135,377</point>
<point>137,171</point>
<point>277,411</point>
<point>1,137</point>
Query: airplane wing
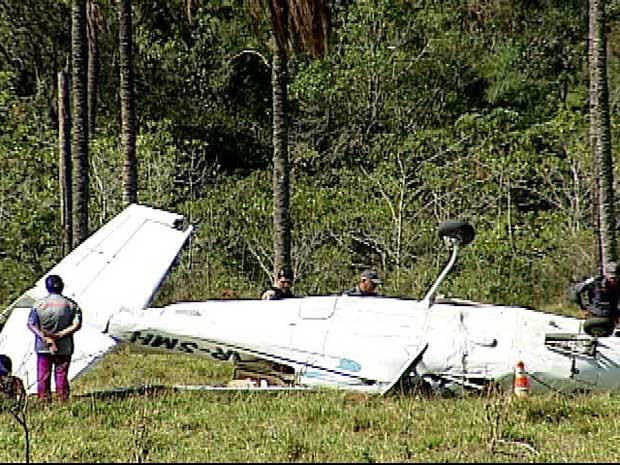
<point>121,266</point>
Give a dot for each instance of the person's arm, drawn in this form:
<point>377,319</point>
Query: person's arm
<point>578,291</point>
<point>73,327</point>
<point>269,294</point>
<point>35,326</point>
<point>354,291</point>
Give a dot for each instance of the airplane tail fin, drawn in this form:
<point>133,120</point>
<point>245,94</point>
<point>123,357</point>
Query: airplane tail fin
<point>122,265</point>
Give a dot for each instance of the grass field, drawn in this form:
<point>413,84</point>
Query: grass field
<point>317,426</point>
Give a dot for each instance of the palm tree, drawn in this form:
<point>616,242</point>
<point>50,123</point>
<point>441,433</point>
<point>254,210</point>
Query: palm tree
<point>64,161</point>
<point>93,63</point>
<point>128,104</point>
<point>79,148</point>
<point>600,132</point>
<point>296,25</point>
<point>281,164</point>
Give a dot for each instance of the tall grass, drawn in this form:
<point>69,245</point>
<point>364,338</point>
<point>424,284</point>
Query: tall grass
<point>315,426</point>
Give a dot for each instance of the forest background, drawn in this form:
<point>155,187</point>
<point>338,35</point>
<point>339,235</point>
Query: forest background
<point>420,111</point>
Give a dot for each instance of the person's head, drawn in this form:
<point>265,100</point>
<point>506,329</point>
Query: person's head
<point>612,271</point>
<point>285,278</point>
<point>54,284</point>
<point>369,280</point>
<point>6,366</point>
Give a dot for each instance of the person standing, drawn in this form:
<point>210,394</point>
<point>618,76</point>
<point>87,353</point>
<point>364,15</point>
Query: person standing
<point>53,320</point>
<point>368,285</point>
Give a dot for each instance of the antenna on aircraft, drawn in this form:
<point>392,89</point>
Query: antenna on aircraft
<point>458,233</point>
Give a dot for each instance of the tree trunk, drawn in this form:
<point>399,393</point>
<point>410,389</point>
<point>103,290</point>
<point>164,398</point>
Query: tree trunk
<point>93,64</point>
<point>600,131</point>
<point>281,165</point>
<point>64,159</point>
<point>79,148</point>
<point>128,110</point>
<point>295,24</point>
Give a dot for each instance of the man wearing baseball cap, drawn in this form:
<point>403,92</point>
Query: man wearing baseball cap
<point>369,282</point>
<point>282,288</point>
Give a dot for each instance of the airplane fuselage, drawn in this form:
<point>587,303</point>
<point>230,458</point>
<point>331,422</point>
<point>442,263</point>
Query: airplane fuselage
<point>366,342</point>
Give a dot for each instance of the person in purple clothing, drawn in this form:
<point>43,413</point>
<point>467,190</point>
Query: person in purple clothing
<point>53,320</point>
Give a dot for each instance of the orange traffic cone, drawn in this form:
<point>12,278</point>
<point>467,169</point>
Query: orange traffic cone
<point>522,381</point>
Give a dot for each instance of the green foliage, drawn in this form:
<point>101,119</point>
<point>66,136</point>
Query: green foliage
<point>35,38</point>
<point>419,113</point>
<point>28,193</point>
<point>158,162</point>
<point>214,94</point>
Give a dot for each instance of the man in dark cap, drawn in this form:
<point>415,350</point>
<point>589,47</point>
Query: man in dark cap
<point>283,287</point>
<point>53,320</point>
<point>369,282</point>
<point>602,294</point>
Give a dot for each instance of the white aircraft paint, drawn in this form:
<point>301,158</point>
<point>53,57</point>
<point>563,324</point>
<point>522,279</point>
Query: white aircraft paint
<point>122,265</point>
<point>371,344</point>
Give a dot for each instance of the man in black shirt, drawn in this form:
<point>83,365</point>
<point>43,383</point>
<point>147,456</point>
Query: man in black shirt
<point>282,289</point>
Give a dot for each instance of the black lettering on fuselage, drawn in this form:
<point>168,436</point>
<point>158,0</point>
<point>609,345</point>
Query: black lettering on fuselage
<point>219,354</point>
<point>137,336</point>
<point>188,347</point>
<point>167,342</point>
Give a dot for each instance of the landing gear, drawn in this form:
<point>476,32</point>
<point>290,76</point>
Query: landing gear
<point>459,230</point>
<point>599,326</point>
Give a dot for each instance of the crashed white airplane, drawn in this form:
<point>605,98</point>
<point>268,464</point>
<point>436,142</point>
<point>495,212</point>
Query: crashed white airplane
<point>370,344</point>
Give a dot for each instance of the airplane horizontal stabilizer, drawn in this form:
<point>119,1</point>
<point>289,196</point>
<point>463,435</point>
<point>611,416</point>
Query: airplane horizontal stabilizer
<point>17,342</point>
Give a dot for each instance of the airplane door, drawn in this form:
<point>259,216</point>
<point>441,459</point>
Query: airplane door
<point>318,308</point>
<point>309,330</point>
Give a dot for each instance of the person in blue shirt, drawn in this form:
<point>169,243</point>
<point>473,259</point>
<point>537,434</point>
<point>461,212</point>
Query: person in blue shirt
<point>367,286</point>
<point>53,320</point>
<point>597,298</point>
